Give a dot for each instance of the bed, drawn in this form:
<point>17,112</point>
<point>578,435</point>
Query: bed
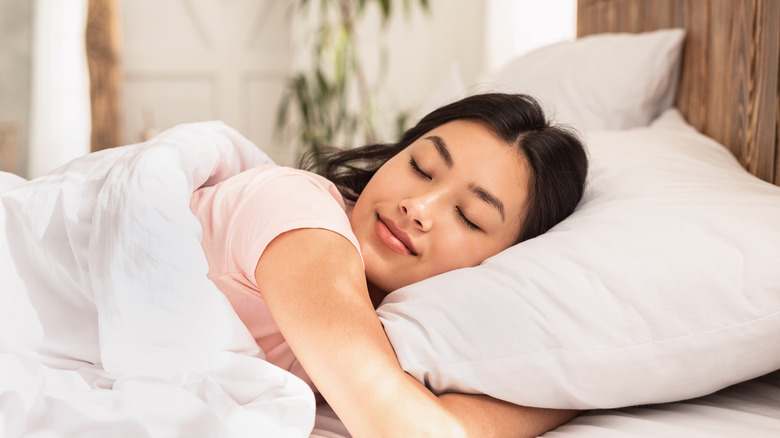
<point>654,309</point>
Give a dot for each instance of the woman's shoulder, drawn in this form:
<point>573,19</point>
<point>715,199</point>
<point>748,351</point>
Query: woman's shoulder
<point>243,213</point>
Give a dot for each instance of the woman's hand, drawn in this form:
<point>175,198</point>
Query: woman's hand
<point>314,285</point>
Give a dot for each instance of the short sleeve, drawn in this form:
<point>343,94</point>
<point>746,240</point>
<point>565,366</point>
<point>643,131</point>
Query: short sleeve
<point>277,201</point>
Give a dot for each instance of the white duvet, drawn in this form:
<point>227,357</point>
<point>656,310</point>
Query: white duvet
<point>109,326</point>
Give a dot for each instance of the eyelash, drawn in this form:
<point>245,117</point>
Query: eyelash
<point>466,220</point>
<point>417,169</point>
<point>461,215</point>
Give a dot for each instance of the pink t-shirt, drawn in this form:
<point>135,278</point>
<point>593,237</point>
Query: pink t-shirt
<point>241,216</point>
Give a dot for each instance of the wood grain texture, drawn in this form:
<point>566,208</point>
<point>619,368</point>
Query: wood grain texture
<point>739,90</point>
<point>718,67</point>
<point>764,116</point>
<point>102,46</point>
<point>777,137</point>
<point>728,87</point>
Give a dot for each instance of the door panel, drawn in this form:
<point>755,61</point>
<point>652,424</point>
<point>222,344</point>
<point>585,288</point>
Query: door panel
<point>194,60</point>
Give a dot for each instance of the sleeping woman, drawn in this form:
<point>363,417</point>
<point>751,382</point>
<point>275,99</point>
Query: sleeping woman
<point>469,180</point>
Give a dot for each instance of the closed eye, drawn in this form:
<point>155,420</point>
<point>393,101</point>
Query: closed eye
<point>417,169</point>
<point>466,220</point>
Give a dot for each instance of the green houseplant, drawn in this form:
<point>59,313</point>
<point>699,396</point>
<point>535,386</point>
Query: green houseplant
<point>333,102</point>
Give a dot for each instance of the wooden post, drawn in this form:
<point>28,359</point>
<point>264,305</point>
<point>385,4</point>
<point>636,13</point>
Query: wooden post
<point>102,42</point>
<point>8,146</point>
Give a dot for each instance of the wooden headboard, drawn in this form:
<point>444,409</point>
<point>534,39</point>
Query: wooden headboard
<point>728,87</point>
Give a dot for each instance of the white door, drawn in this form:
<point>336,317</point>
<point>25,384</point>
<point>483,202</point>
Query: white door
<point>194,60</point>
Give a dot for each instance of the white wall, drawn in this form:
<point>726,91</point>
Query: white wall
<point>515,27</point>
<point>15,72</point>
<point>423,48</point>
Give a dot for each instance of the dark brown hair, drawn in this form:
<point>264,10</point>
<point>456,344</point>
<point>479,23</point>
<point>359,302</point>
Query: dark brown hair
<point>556,155</point>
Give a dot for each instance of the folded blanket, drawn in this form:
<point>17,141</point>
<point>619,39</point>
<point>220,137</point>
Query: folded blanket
<point>109,326</point>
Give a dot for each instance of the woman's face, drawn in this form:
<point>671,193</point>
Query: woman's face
<point>451,199</point>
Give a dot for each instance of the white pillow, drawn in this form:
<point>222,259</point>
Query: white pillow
<point>663,285</point>
<point>604,81</point>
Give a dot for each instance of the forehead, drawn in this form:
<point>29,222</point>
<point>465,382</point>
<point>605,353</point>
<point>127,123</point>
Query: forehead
<point>469,139</point>
<point>466,132</point>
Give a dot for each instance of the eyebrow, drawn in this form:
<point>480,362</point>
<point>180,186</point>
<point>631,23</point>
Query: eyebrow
<point>441,148</point>
<point>483,194</point>
<point>490,199</point>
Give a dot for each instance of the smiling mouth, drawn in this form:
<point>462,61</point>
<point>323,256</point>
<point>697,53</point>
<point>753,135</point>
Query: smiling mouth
<point>392,238</point>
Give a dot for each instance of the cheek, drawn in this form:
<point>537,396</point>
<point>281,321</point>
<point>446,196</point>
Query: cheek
<point>379,189</point>
<point>461,252</point>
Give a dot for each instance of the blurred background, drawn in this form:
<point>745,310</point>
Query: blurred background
<point>288,74</point>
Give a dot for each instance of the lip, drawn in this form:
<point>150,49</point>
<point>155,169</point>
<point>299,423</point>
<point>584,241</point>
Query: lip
<point>393,237</point>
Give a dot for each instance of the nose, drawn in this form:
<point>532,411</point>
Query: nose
<point>419,211</point>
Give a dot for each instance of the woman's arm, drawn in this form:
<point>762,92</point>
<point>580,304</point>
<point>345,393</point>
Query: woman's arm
<point>483,416</point>
<point>314,285</point>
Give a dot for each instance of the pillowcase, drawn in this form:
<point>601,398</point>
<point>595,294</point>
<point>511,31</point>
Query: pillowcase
<point>663,285</point>
<point>603,81</point>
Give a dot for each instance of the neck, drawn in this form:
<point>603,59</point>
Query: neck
<point>376,295</point>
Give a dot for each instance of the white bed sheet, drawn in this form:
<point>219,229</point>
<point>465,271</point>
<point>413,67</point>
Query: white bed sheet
<point>749,409</point>
<point>108,323</point>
